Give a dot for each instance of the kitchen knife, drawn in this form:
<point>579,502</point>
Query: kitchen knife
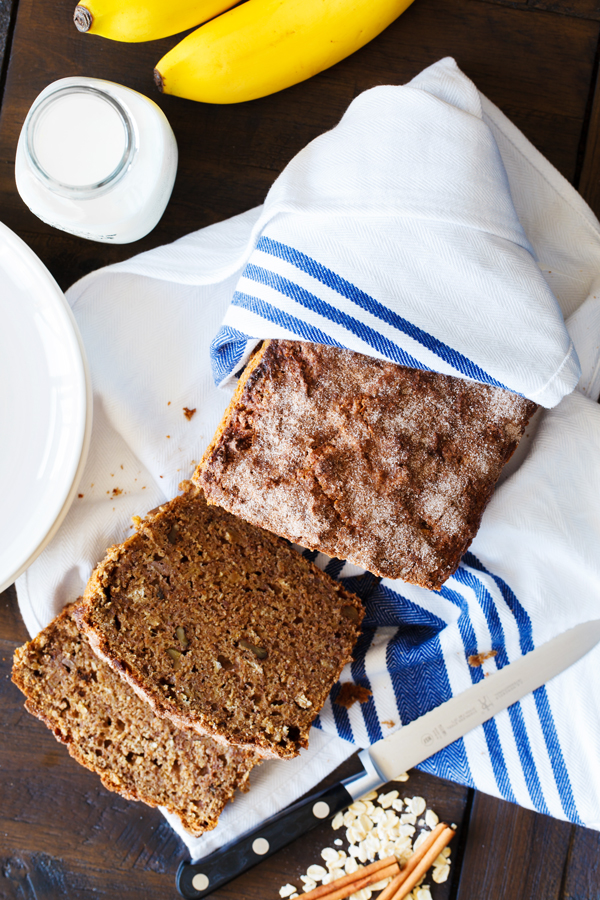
<point>391,756</point>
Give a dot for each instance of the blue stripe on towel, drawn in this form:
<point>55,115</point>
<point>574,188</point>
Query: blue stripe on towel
<point>416,666</point>
<point>515,713</point>
<point>341,717</point>
<point>334,567</point>
<point>226,350</point>
<point>310,301</point>
<point>561,776</point>
<point>361,585</point>
<point>310,555</point>
<point>490,728</point>
<point>417,670</point>
<point>348,290</point>
<point>359,674</point>
<point>260,307</point>
<point>451,763</point>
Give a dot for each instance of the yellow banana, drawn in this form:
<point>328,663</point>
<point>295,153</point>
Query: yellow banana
<point>145,20</point>
<point>264,46</point>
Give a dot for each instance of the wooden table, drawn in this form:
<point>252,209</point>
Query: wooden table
<point>61,833</point>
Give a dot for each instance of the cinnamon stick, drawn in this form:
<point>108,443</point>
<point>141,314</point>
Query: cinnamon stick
<point>406,886</point>
<point>390,891</point>
<point>348,884</point>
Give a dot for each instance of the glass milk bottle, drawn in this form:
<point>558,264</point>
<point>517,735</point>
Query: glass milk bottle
<point>96,159</point>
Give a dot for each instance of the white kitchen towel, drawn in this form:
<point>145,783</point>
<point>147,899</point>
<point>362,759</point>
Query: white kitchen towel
<point>532,572</point>
<point>395,235</point>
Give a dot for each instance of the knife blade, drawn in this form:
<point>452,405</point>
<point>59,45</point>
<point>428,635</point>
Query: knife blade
<point>391,756</point>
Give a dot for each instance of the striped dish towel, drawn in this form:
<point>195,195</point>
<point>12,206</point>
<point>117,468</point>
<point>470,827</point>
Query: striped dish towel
<point>534,567</point>
<point>395,235</point>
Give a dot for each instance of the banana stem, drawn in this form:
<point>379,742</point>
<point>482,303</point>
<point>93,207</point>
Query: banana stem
<point>83,18</point>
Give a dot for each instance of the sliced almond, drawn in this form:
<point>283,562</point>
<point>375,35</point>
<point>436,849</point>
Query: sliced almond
<point>175,655</point>
<point>260,652</point>
<point>181,636</point>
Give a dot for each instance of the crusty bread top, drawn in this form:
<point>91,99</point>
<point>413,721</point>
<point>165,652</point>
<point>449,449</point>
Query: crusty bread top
<point>362,459</point>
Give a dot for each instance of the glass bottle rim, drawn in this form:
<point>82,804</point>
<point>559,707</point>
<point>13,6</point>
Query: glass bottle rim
<point>85,191</point>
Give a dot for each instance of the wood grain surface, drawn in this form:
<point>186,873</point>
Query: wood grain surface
<point>61,832</point>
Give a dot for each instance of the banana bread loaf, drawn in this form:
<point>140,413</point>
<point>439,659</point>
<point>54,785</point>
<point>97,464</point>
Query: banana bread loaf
<point>108,729</point>
<point>221,626</point>
<point>362,459</point>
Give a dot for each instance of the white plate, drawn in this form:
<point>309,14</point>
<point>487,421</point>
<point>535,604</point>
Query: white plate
<point>45,406</point>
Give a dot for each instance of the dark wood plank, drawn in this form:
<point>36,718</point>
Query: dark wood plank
<point>589,181</point>
<point>586,9</point>
<point>582,877</point>
<point>12,627</point>
<point>231,154</point>
<point>40,876</point>
<point>6,20</point>
<point>582,9</point>
<point>512,852</point>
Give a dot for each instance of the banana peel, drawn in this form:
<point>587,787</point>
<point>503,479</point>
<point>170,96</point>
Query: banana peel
<point>145,20</point>
<point>263,46</point>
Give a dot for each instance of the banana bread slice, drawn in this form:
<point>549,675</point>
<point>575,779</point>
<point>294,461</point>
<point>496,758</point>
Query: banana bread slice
<point>221,626</point>
<point>362,459</point>
<point>108,729</point>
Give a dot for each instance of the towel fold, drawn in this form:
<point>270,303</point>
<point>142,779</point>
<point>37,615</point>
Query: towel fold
<point>395,235</point>
<point>487,247</point>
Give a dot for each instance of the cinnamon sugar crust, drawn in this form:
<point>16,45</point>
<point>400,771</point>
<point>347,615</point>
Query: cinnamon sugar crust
<point>222,627</point>
<point>109,730</point>
<point>362,459</point>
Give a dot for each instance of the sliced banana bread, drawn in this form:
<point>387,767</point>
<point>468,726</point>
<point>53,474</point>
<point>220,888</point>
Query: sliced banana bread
<point>108,729</point>
<point>221,626</point>
<point>362,459</point>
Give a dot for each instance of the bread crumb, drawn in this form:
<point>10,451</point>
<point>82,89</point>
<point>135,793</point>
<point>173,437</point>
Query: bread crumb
<point>350,693</point>
<point>188,413</point>
<point>478,659</point>
<point>80,496</point>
